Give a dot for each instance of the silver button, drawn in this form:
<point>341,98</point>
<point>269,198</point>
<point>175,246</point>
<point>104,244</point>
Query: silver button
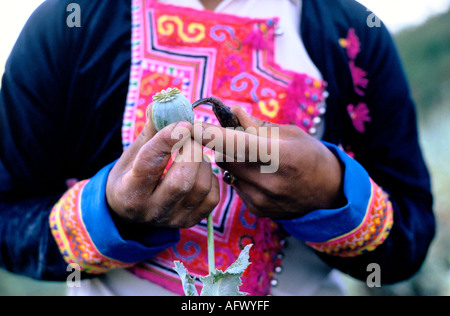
<point>273,282</point>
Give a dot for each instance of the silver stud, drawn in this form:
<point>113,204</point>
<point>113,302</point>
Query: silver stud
<point>273,282</point>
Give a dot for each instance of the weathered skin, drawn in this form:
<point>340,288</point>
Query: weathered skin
<point>223,113</point>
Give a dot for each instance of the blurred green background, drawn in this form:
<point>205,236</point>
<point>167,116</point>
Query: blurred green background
<point>425,51</point>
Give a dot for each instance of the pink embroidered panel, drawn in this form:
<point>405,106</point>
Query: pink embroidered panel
<point>208,54</point>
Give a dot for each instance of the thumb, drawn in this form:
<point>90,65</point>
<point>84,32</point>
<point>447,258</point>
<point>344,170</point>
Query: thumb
<point>251,124</point>
<point>155,148</point>
<point>147,133</point>
<point>244,118</point>
<point>153,155</point>
<point>149,129</point>
<point>151,159</point>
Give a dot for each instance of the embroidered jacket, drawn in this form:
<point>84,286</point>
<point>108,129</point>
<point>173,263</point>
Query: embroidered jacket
<point>61,109</point>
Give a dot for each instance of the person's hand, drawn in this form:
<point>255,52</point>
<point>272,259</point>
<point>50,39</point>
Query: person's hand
<point>188,192</point>
<point>308,176</point>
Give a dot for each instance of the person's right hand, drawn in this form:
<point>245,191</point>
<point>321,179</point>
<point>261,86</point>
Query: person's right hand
<point>136,193</point>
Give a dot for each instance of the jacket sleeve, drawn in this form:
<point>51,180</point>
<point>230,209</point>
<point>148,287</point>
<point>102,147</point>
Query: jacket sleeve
<point>390,152</point>
<point>46,224</point>
<point>388,218</point>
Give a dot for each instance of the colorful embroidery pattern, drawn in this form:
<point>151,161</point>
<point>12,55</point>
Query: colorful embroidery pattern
<point>231,58</point>
<point>371,233</point>
<point>351,44</point>
<point>360,113</point>
<point>72,238</point>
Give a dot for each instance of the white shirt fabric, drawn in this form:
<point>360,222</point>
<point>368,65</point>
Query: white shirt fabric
<point>303,273</point>
<point>290,53</point>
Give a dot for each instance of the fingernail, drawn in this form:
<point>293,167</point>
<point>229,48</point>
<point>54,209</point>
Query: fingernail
<point>198,131</point>
<point>148,112</point>
<point>198,125</point>
<point>185,124</point>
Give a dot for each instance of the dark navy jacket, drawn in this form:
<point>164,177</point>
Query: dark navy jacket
<point>63,97</point>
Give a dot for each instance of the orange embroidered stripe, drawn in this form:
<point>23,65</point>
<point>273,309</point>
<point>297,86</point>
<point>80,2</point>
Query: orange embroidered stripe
<point>72,238</point>
<point>371,233</point>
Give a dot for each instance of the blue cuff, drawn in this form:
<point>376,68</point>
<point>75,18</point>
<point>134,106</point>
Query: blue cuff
<point>104,234</point>
<point>325,224</point>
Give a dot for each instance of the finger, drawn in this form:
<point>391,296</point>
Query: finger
<point>230,142</point>
<point>256,200</point>
<point>244,118</point>
<point>180,178</point>
<point>252,124</point>
<point>152,158</point>
<point>248,171</point>
<point>264,128</point>
<point>238,146</point>
<point>146,134</point>
<point>264,203</point>
<point>191,211</point>
<point>207,205</point>
<point>201,187</point>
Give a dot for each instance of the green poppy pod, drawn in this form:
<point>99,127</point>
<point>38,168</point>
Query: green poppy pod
<point>170,106</point>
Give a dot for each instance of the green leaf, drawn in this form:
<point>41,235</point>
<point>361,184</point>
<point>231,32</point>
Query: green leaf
<point>242,262</point>
<point>187,281</point>
<point>227,283</point>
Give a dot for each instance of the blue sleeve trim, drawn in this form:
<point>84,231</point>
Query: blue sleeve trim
<point>104,234</point>
<point>325,224</point>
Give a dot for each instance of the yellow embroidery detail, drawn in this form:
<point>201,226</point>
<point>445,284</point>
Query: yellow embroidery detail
<point>369,235</point>
<point>272,111</point>
<point>196,31</point>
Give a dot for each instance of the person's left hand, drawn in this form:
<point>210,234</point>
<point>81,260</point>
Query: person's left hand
<point>308,177</point>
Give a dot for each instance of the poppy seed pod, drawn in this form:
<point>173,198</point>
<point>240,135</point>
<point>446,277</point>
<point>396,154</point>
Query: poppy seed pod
<point>170,106</point>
